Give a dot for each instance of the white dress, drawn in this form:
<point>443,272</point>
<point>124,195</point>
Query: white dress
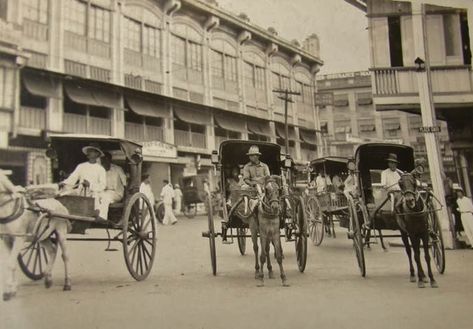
<point>465,206</point>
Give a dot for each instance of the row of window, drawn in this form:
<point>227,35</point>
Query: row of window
<point>142,38</point>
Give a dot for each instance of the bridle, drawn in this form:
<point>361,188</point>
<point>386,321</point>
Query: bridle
<point>266,204</point>
<point>18,207</point>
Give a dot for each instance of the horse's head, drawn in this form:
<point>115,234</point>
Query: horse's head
<point>272,192</point>
<point>408,185</point>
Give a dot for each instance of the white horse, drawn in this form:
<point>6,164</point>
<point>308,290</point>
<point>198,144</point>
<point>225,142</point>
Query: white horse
<point>23,222</point>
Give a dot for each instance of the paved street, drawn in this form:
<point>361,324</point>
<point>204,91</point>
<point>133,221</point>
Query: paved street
<point>182,293</point>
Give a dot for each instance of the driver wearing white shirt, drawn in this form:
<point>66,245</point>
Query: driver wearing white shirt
<point>390,179</point>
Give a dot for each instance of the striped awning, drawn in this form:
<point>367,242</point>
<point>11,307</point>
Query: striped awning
<point>147,107</point>
<point>231,122</point>
<point>41,85</point>
<point>195,116</point>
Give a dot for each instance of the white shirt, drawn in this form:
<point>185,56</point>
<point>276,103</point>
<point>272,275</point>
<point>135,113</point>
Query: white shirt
<point>177,193</point>
<point>146,190</point>
<point>116,180</point>
<point>322,183</point>
<point>350,183</point>
<point>94,173</point>
<point>465,204</point>
<point>390,179</point>
<point>167,194</point>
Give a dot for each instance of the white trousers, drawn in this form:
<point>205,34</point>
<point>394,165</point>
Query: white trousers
<point>169,217</point>
<point>467,221</point>
<point>103,202</point>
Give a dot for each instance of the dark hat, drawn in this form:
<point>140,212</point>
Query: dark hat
<point>392,157</point>
<point>144,176</point>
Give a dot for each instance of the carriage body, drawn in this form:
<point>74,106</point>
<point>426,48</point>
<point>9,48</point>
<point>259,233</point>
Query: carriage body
<point>133,216</point>
<point>233,154</point>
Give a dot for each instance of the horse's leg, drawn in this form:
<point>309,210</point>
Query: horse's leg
<point>254,239</point>
<point>61,232</point>
<point>407,246</point>
<point>425,244</point>
<point>268,259</point>
<point>278,254</point>
<point>382,240</point>
<point>415,241</point>
<point>51,250</point>
<point>263,257</point>
<point>10,277</point>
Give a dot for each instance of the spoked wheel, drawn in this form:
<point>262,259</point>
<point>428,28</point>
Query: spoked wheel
<point>213,254</point>
<point>160,212</point>
<point>34,258</point>
<point>436,240</point>
<point>356,236</point>
<point>241,232</point>
<point>315,224</point>
<point>139,236</point>
<point>301,234</point>
<point>190,210</point>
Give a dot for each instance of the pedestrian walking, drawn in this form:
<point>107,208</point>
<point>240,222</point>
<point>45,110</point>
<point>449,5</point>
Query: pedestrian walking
<point>146,189</point>
<point>167,195</point>
<point>465,208</point>
<point>178,199</point>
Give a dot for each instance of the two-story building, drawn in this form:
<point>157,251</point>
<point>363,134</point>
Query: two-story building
<point>178,75</point>
<point>393,36</point>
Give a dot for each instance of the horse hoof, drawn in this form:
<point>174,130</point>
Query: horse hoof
<point>434,284</point>
<point>67,287</point>
<point>7,296</point>
<point>420,284</point>
<point>271,275</point>
<point>48,283</point>
<point>285,284</point>
<point>425,280</point>
<point>412,278</point>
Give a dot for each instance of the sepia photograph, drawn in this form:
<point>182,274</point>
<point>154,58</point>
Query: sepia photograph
<point>236,164</point>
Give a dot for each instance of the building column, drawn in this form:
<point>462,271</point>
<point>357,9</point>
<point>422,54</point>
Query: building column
<point>428,117</point>
<point>297,145</point>
<point>56,36</point>
<point>118,120</point>
<point>272,126</point>
<point>210,134</point>
<point>168,126</point>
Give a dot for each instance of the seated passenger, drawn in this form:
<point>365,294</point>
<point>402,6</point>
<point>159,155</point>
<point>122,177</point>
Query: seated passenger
<point>116,182</point>
<point>322,182</point>
<point>235,181</point>
<point>337,183</point>
<point>91,177</point>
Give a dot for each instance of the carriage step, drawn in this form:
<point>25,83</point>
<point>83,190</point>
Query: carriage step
<point>227,242</point>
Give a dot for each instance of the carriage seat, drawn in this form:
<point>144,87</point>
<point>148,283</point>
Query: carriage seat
<point>116,205</point>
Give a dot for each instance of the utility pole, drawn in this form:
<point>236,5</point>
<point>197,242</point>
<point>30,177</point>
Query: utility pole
<point>428,115</point>
<point>287,100</point>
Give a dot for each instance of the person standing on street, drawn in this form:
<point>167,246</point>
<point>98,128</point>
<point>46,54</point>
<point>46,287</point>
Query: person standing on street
<point>178,198</point>
<point>145,188</point>
<point>167,194</point>
<point>465,208</point>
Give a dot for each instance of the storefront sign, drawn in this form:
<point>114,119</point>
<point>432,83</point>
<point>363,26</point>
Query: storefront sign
<point>427,129</point>
<point>159,149</point>
<point>324,98</point>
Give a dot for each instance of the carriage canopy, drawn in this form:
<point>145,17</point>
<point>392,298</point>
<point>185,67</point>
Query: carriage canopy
<point>331,165</point>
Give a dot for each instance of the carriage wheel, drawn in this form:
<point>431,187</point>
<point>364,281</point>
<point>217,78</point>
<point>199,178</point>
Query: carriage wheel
<point>315,221</point>
<point>190,210</point>
<point>33,260</point>
<point>213,254</point>
<point>357,237</point>
<point>160,212</point>
<point>436,240</point>
<point>241,232</point>
<point>139,236</point>
<point>301,234</point>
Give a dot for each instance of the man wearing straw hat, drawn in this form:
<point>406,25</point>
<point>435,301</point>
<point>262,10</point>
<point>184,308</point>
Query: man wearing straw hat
<point>89,178</point>
<point>390,179</point>
<point>255,171</point>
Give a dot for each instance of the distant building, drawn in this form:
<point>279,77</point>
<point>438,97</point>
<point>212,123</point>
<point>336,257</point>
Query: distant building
<point>352,119</point>
<point>179,75</point>
<point>448,31</point>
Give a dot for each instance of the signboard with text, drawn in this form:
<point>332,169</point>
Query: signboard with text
<point>324,98</point>
<point>425,130</point>
<point>159,149</point>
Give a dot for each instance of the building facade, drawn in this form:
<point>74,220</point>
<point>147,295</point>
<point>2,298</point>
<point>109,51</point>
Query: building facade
<point>395,35</point>
<point>180,76</point>
<point>351,119</point>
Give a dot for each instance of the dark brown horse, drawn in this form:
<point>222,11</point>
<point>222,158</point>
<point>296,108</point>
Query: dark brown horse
<point>269,227</point>
<point>412,218</point>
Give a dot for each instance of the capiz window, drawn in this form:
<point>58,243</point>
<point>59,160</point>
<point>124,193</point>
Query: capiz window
<point>76,15</point>
<point>132,34</point>
<point>36,10</point>
<point>99,24</point>
<point>151,37</point>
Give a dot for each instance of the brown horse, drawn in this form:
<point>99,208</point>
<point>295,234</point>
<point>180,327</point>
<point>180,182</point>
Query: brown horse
<point>269,227</point>
<point>412,218</point>
<point>22,222</point>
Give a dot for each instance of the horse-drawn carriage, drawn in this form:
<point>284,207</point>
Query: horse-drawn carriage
<point>328,205</point>
<point>132,218</point>
<point>231,157</point>
<point>375,209</point>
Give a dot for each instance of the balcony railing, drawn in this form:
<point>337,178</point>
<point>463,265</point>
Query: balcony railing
<point>134,131</point>
<point>76,123</point>
<point>9,34</point>
<point>403,80</point>
<point>190,139</point>
<point>32,118</point>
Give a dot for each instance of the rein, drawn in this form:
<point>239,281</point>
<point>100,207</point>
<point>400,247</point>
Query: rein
<point>18,209</point>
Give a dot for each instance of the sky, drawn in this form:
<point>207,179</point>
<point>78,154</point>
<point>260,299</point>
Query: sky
<point>342,28</point>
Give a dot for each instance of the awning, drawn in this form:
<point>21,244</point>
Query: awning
<point>280,131</point>
<point>308,136</point>
<point>339,130</point>
<point>260,127</point>
<point>367,127</point>
<point>231,122</point>
<point>147,107</point>
<point>198,117</point>
<point>41,85</point>
<point>93,96</point>
<point>392,126</point>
